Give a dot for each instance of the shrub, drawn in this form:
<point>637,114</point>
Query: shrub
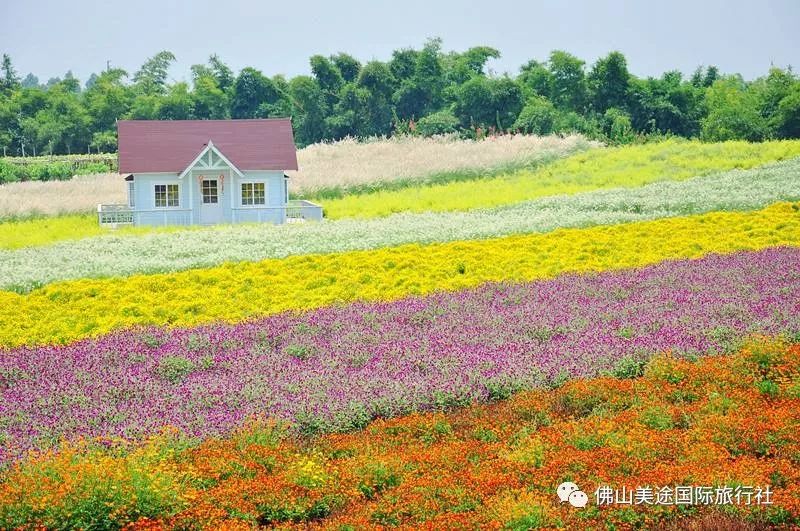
<point>657,418</point>
<point>537,117</point>
<point>174,368</point>
<point>439,123</point>
<point>628,367</point>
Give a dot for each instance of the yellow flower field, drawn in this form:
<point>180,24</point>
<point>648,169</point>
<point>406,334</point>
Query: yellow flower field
<point>66,311</point>
<point>46,230</point>
<point>626,166</point>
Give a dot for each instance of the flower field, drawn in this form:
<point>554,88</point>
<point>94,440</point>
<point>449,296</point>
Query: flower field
<point>737,190</point>
<point>624,317</point>
<point>65,311</point>
<point>590,170</point>
<point>336,368</point>
<point>723,421</point>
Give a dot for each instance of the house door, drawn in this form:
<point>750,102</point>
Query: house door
<point>210,206</point>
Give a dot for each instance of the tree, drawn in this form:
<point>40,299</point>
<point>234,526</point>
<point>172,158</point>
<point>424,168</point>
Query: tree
<point>474,103</point>
<point>309,122</point>
<point>30,81</point>
<point>10,80</point>
<point>328,77</point>
<point>537,117</point>
<point>403,64</point>
<point>732,113</point>
<point>462,66</point>
<point>348,66</point>
<point>210,101</point>
<point>177,104</point>
<point>151,78</point>
<point>488,102</point>
<point>221,72</point>
<point>770,91</point>
<point>788,115</point>
<point>536,79</point>
<point>568,81</point>
<point>608,83</point>
<point>350,117</point>
<point>376,78</point>
<point>507,101</point>
<point>667,105</point>
<point>108,100</point>
<point>250,91</point>
<point>421,92</point>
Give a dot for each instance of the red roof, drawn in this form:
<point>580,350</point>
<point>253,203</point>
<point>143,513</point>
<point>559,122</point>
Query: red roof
<point>169,146</point>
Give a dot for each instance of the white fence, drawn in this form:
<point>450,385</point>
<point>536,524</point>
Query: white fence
<point>299,210</point>
<point>112,216</point>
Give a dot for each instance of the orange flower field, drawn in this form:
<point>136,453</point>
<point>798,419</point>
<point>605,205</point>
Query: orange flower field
<point>729,423</point>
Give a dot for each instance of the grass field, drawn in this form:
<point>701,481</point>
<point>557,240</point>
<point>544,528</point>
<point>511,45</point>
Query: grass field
<point>620,317</point>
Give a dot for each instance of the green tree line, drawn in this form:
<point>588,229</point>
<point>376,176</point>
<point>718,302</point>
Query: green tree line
<point>423,91</point>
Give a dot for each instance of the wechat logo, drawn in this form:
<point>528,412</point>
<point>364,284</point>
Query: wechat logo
<point>570,492</point>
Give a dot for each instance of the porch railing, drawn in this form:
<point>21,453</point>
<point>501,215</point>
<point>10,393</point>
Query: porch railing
<point>113,216</point>
<point>296,210</point>
<point>300,209</point>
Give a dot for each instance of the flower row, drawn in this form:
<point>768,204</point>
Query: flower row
<point>717,425</point>
<point>596,168</point>
<point>67,311</point>
<point>158,252</point>
<point>336,368</point>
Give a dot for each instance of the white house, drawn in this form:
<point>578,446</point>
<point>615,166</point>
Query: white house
<point>188,172</point>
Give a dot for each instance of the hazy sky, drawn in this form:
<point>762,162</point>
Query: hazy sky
<point>49,37</point>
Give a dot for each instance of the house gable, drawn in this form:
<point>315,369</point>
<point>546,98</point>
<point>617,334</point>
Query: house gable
<point>210,158</point>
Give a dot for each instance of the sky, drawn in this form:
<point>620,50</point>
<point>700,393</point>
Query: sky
<point>49,37</point>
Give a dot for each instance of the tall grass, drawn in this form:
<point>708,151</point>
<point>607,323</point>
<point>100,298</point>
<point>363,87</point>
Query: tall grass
<point>348,166</point>
<point>626,166</point>
<point>326,170</point>
<point>79,194</point>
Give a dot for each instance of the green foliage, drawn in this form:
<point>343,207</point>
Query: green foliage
<point>174,368</point>
<point>617,127</point>
<point>657,418</point>
<point>537,117</point>
<point>54,168</point>
<point>439,123</point>
<point>628,367</point>
<point>733,113</point>
<point>415,89</point>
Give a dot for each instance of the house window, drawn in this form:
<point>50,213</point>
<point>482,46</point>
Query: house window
<point>210,195</point>
<point>131,201</point>
<point>253,194</point>
<point>166,195</point>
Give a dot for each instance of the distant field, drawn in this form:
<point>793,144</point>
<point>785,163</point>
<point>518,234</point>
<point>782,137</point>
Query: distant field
<point>595,169</point>
<point>129,251</point>
<point>337,168</point>
<point>602,168</point>
<point>329,169</point>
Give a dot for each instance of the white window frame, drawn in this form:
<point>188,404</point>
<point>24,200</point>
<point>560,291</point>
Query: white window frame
<point>255,205</point>
<point>132,194</point>
<point>168,206</point>
<point>217,190</point>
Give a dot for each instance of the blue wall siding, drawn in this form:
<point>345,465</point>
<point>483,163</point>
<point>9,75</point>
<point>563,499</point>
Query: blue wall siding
<point>230,198</point>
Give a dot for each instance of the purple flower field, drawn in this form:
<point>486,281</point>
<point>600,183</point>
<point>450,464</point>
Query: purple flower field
<point>337,367</point>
